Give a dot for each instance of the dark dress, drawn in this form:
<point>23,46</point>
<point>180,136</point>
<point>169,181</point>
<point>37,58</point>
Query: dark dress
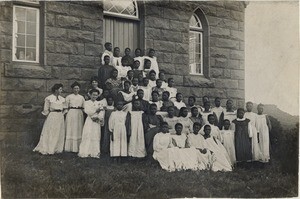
<point>104,74</point>
<point>105,140</point>
<point>127,60</point>
<point>166,104</point>
<point>242,141</point>
<point>151,125</point>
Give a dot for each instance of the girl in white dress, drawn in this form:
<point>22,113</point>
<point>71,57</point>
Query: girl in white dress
<point>171,119</point>
<point>53,134</point>
<point>163,153</point>
<point>218,110</point>
<point>228,141</point>
<point>118,141</point>
<point>256,153</point>
<point>91,134</point>
<point>206,112</point>
<point>126,96</point>
<point>136,146</point>
<point>221,159</point>
<point>116,61</point>
<point>184,119</point>
<point>263,126</point>
<point>140,58</point>
<point>170,88</point>
<point>74,119</point>
<point>185,158</point>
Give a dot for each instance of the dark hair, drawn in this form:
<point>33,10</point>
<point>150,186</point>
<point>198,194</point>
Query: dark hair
<point>217,98</point>
<point>75,84</point>
<point>193,108</point>
<point>135,61</point>
<point>192,97</point>
<point>139,90</point>
<point>129,71</point>
<point>178,124</point>
<point>206,126</point>
<point>167,92</point>
<point>116,48</point>
<point>113,70</point>
<point>226,120</point>
<point>109,97</point>
<point>56,87</point>
<point>94,90</point>
<point>127,49</point>
<point>229,100</point>
<point>207,102</point>
<point>181,110</point>
<point>107,43</point>
<point>155,92</point>
<point>249,103</point>
<point>127,82</point>
<point>94,78</point>
<point>158,80</point>
<point>210,115</point>
<point>260,104</point>
<point>144,78</point>
<point>106,56</point>
<point>152,105</point>
<point>196,124</point>
<point>152,71</point>
<point>178,94</point>
<point>171,107</point>
<point>151,49</point>
<point>138,49</point>
<point>240,109</point>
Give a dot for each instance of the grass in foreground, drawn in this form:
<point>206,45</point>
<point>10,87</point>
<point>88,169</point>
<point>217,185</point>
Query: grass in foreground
<point>28,175</point>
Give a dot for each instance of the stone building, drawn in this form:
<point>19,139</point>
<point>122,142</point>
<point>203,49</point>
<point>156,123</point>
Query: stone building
<point>200,44</point>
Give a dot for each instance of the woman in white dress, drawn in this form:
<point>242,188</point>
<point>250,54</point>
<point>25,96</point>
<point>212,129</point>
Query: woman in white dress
<point>221,159</point>
<point>74,119</point>
<point>53,134</point>
<point>229,113</point>
<point>116,124</point>
<point>256,153</point>
<point>126,96</point>
<point>153,60</point>
<point>91,134</point>
<point>162,144</point>
<point>263,126</point>
<point>134,126</point>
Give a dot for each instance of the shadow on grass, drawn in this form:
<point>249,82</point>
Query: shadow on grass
<point>28,174</point>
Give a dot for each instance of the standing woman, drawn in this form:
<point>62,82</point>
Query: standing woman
<point>53,133</point>
<point>74,119</point>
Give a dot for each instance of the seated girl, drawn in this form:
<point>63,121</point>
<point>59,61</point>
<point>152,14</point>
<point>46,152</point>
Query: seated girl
<point>146,88</point>
<point>114,84</point>
<point>170,88</point>
<point>152,78</point>
<point>184,120</point>
<point>126,96</point>
<point>178,103</point>
<point>155,99</point>
<point>162,76</point>
<point>171,119</point>
<point>153,60</point>
<point>139,57</point>
<point>207,111</point>
<point>135,85</point>
<point>158,87</point>
<point>221,160</point>
<point>195,117</point>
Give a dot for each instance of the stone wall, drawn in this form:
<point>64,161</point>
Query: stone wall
<point>167,31</point>
<point>72,43</point>
<point>73,40</point>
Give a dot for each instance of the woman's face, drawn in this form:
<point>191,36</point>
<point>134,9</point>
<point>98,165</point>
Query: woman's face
<point>153,110</point>
<point>184,112</point>
<point>195,112</point>
<point>59,91</point>
<point>154,97</point>
<point>117,52</point>
<point>115,74</point>
<point>171,112</point>
<point>94,96</point>
<point>137,53</point>
<point>94,84</point>
<point>152,76</point>
<point>76,90</point>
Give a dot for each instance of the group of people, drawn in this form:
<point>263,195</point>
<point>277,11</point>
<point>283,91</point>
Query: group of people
<point>132,110</point>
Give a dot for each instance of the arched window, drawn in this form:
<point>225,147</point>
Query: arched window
<point>121,23</point>
<point>198,44</point>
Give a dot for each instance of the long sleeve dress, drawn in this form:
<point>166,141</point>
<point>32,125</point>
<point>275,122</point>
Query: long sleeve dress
<point>91,133</point>
<point>154,65</point>
<point>53,134</point>
<point>74,122</point>
<point>221,159</point>
<point>163,152</point>
<point>105,145</point>
<point>242,139</point>
<point>264,139</point>
<point>136,146</point>
<point>116,124</point>
<point>228,142</point>
<point>256,153</point>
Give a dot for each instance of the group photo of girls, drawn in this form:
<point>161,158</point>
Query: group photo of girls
<point>133,112</point>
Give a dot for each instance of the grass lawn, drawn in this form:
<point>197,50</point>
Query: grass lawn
<point>28,174</point>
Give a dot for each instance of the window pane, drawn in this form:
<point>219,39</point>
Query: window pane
<point>20,14</point>
<point>20,27</point>
<point>31,28</point>
<point>20,40</point>
<point>30,54</point>
<point>31,15</point>
<point>20,53</point>
<point>30,41</point>
<point>124,7</point>
<point>198,68</point>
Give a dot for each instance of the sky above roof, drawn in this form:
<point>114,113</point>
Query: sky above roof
<point>272,54</point>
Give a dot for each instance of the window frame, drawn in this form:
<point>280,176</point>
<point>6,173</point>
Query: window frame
<point>33,6</point>
<point>124,16</point>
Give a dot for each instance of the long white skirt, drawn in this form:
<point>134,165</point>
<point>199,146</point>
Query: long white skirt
<point>74,126</point>
<point>165,158</point>
<point>53,134</point>
<point>91,135</point>
<point>136,147</point>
